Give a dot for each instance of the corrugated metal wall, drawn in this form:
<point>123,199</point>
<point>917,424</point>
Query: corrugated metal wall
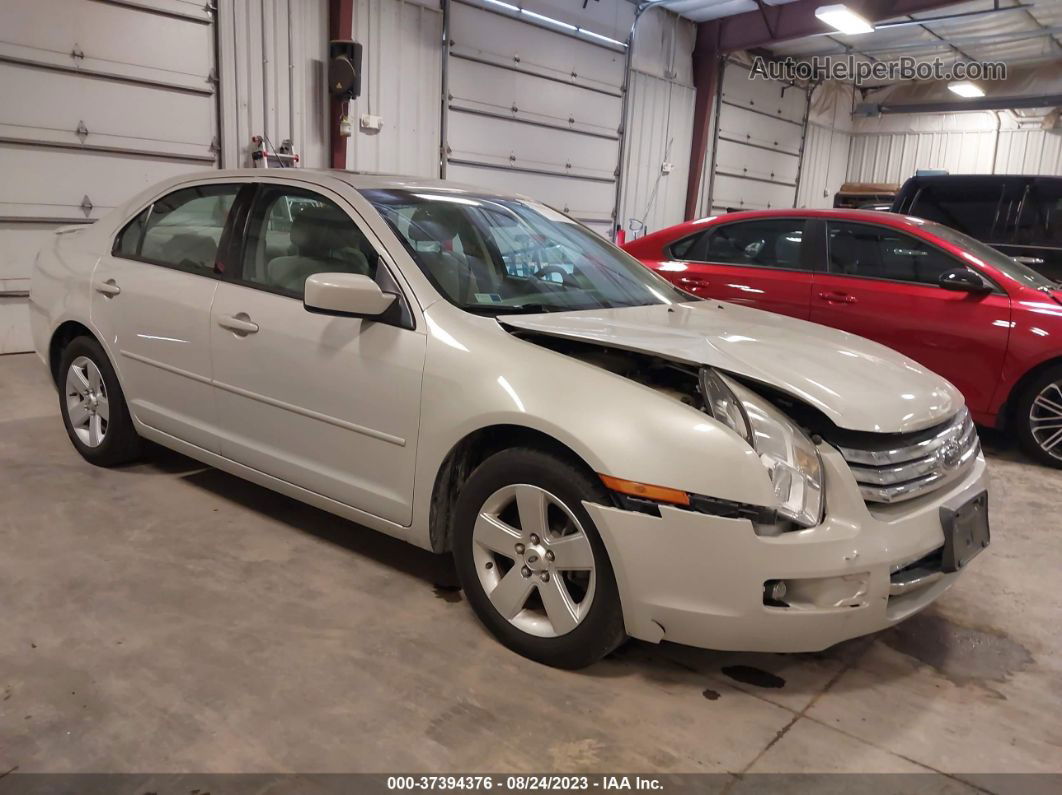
<point>1030,152</point>
<point>891,149</point>
<point>659,124</point>
<point>402,83</point>
<point>826,146</point>
<point>271,74</point>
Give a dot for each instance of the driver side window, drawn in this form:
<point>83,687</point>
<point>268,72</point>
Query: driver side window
<point>293,234</point>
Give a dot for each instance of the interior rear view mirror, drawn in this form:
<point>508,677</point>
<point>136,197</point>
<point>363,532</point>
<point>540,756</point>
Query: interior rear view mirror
<point>346,294</point>
<point>964,280</point>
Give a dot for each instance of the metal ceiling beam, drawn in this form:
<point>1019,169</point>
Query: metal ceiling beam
<point>979,103</point>
<point>797,20</point>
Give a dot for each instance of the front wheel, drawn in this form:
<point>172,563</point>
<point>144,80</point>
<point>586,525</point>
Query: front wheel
<point>1039,417</point>
<point>531,561</point>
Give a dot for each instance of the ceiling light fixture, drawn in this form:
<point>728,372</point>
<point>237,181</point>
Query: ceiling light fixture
<point>966,89</point>
<point>844,19</point>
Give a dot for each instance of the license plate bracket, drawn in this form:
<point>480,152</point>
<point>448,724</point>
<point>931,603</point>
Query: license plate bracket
<point>966,531</point>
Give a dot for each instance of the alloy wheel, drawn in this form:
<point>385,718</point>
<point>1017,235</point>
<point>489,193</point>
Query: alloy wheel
<point>534,560</point>
<point>87,407</point>
<point>1045,419</point>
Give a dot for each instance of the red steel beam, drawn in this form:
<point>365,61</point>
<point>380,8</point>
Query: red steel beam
<point>706,61</point>
<point>340,26</point>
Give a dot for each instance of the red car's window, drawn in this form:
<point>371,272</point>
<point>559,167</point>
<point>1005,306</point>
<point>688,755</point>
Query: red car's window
<point>880,253</point>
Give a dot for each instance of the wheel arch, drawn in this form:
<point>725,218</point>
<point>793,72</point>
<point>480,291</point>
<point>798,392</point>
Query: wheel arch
<point>1010,404</point>
<point>468,453</point>
<point>65,333</point>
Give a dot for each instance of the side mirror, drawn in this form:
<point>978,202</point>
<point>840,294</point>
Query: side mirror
<point>964,280</point>
<point>347,295</point>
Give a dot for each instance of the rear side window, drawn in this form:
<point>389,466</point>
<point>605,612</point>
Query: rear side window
<point>770,243</point>
<point>181,230</point>
<point>682,249</point>
<point>973,209</point>
<point>128,242</point>
<point>877,252</point>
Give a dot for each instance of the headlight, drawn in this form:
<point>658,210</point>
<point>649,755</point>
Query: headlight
<point>723,404</point>
<point>791,459</point>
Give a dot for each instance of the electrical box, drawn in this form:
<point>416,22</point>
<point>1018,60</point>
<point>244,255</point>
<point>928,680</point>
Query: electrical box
<point>371,122</point>
<point>344,68</point>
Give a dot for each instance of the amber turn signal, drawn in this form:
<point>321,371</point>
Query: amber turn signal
<point>645,491</point>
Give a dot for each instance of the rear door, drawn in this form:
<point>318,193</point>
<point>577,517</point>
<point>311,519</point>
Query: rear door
<point>1037,234</point>
<point>151,298</point>
<point>762,263</point>
<point>882,284</point>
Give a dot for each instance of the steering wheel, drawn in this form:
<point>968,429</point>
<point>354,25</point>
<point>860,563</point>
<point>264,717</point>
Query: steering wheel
<point>548,270</point>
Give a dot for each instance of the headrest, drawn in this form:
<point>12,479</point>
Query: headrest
<point>431,224</point>
<point>320,229</point>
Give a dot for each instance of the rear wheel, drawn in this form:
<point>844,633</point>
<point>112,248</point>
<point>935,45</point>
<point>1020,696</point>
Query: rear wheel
<point>93,406</point>
<point>1039,417</point>
<point>531,562</point>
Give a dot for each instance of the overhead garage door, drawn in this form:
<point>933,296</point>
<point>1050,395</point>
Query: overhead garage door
<point>534,111</point>
<point>756,161</point>
<point>97,101</point>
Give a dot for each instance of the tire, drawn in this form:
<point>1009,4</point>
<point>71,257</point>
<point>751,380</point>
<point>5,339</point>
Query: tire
<point>1037,422</point>
<point>569,567</point>
<point>107,438</point>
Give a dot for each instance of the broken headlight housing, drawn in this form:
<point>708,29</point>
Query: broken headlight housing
<point>792,462</point>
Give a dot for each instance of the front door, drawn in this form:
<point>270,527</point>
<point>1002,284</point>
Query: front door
<point>151,299</point>
<point>330,404</point>
<point>882,284</point>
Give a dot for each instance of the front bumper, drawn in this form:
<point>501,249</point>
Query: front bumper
<point>698,579</point>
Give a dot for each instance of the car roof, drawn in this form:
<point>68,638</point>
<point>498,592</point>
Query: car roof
<point>365,180</point>
<point>869,216</point>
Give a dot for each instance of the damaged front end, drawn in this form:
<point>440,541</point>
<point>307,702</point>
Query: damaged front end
<point>783,447</point>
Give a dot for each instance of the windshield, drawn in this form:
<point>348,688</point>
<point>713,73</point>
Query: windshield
<point>493,256</point>
<point>990,256</point>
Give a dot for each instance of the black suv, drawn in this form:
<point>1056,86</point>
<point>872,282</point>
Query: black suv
<point>1019,215</point>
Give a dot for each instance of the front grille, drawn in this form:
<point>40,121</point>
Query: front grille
<point>897,467</point>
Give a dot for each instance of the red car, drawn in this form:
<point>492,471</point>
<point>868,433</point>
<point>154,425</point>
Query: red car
<point>989,324</point>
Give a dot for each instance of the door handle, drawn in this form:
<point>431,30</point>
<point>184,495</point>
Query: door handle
<point>240,323</point>
<point>1030,260</point>
<point>837,298</point>
<point>108,288</point>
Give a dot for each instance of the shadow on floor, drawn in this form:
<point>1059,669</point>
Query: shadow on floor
<point>666,663</point>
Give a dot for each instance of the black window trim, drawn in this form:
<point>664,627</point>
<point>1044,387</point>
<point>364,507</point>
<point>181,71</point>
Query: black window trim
<point>811,263</point>
<point>214,273</point>
<point>237,246</point>
<point>996,288</point>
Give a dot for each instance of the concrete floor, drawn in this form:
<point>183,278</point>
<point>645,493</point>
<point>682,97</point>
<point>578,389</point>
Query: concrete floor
<point>166,617</point>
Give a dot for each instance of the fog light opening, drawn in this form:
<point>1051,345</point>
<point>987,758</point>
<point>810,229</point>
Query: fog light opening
<point>774,592</point>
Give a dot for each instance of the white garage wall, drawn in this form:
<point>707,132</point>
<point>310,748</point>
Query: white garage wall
<point>272,56</point>
<point>659,124</point>
<point>535,108</point>
<point>829,136</point>
<point>758,145</point>
<point>891,148</point>
<point>402,83</point>
<point>99,100</point>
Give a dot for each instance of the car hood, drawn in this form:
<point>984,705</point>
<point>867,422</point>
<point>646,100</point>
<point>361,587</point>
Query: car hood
<point>860,385</point>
